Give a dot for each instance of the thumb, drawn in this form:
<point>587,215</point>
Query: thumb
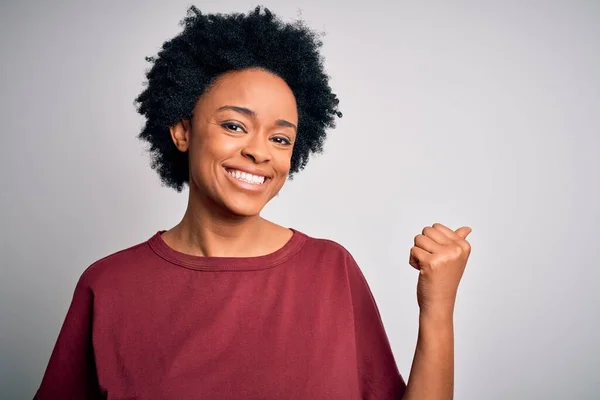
<point>463,232</point>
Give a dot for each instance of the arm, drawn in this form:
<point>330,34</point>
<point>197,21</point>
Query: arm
<point>432,372</point>
<point>71,371</point>
<point>440,254</point>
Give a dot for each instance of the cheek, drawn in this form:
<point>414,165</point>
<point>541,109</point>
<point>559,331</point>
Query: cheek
<point>200,157</point>
<point>208,149</point>
<point>284,163</point>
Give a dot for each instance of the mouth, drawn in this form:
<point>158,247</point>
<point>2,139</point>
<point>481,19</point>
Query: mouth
<point>247,178</point>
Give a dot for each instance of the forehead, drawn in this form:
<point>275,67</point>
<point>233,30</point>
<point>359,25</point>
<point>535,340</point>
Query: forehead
<point>261,91</point>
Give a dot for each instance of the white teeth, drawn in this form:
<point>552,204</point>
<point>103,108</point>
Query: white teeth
<point>246,177</point>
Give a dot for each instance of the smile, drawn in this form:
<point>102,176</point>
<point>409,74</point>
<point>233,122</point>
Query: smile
<point>246,177</point>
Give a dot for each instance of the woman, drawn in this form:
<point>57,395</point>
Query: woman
<point>228,305</point>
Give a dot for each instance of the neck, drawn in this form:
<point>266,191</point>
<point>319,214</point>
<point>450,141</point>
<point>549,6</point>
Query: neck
<point>210,231</point>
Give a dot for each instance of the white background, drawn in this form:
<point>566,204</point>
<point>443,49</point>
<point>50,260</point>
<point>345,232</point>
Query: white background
<point>482,113</point>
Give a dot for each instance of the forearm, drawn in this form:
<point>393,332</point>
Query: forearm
<point>432,372</point>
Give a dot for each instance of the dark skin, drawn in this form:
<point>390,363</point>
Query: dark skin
<point>246,122</point>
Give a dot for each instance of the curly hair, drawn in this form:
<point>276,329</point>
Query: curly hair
<point>212,44</point>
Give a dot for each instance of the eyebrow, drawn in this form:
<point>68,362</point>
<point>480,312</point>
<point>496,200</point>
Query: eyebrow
<point>251,113</point>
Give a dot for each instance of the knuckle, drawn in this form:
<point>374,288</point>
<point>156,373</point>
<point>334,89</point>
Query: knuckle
<point>425,267</point>
<point>435,263</point>
<point>414,253</point>
<point>425,230</point>
<point>437,260</point>
<point>465,246</point>
<point>456,250</point>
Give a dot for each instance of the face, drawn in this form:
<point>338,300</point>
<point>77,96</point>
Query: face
<point>240,141</point>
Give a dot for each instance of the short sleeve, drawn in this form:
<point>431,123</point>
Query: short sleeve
<point>377,370</point>
<point>71,372</point>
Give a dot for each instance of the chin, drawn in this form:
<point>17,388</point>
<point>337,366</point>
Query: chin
<point>241,211</point>
<point>242,206</point>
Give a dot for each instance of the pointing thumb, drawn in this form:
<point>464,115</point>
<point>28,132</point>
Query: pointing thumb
<point>463,232</point>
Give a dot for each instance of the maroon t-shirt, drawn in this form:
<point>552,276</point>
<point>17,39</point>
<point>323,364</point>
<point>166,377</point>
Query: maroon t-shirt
<point>149,322</point>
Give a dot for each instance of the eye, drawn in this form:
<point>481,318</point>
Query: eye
<point>282,140</point>
<point>233,127</point>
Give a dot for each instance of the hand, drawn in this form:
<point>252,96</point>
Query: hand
<point>440,254</point>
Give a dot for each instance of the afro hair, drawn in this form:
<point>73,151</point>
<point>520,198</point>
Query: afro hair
<point>213,44</point>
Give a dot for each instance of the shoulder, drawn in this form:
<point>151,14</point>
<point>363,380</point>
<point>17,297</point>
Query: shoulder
<point>327,251</point>
<point>116,266</point>
<point>334,260</point>
<point>322,245</point>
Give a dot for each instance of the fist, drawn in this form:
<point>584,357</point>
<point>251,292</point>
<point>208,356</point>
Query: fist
<point>440,254</point>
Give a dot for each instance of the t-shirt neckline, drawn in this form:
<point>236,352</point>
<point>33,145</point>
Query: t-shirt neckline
<point>292,246</point>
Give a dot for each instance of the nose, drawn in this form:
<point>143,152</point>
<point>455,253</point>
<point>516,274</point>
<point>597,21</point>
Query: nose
<point>257,149</point>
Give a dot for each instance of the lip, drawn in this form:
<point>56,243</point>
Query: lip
<point>247,186</point>
<point>249,170</point>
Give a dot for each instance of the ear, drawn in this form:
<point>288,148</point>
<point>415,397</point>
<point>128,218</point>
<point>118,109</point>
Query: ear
<point>180,133</point>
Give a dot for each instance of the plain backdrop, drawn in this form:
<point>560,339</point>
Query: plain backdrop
<point>481,113</point>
